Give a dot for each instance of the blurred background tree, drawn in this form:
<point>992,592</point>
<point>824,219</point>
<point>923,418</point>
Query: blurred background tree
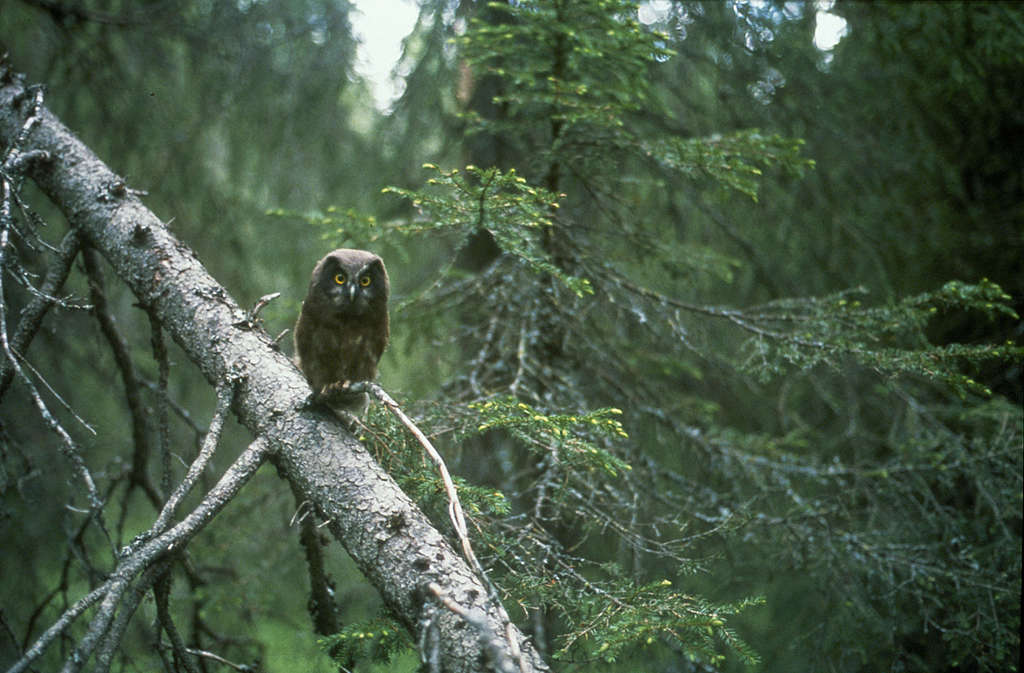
<point>619,214</point>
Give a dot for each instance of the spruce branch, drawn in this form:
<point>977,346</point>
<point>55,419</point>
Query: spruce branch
<point>458,520</point>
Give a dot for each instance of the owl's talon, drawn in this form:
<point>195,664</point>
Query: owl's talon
<point>338,393</point>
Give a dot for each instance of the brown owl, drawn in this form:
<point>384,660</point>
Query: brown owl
<point>343,327</point>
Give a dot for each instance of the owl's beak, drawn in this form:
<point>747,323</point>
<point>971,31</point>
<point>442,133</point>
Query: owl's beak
<point>351,292</point>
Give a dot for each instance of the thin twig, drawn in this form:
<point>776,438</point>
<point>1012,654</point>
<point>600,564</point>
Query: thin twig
<point>244,668</point>
<point>133,598</point>
<point>225,393</point>
<point>161,592</point>
<point>57,396</point>
<point>10,159</point>
<point>68,445</point>
<point>135,560</point>
<point>33,314</point>
<point>14,161</point>
<point>491,642</point>
<point>455,512</point>
<point>182,413</point>
<point>260,303</point>
<point>321,606</point>
<point>252,318</point>
<point>520,357</point>
<point>163,432</point>
<point>129,377</point>
<point>58,627</point>
<point>8,631</point>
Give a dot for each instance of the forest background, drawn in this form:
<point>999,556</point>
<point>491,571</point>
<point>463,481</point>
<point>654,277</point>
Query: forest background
<point>719,328</point>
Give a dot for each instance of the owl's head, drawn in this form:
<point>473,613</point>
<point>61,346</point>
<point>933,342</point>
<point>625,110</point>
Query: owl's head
<point>349,282</point>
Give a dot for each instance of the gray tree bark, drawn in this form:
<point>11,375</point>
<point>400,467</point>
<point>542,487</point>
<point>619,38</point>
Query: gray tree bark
<point>394,544</point>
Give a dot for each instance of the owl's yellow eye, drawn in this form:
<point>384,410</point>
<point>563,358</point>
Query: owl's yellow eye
<point>340,279</point>
<point>365,281</point>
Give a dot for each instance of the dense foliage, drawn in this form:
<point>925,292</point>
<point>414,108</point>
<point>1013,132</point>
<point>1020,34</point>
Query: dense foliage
<point>718,329</point>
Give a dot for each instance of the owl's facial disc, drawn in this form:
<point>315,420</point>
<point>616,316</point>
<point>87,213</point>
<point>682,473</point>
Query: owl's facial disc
<point>351,293</point>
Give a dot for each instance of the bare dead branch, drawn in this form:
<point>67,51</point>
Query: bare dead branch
<point>33,314</point>
<point>244,668</point>
<point>53,392</point>
<point>138,558</point>
<point>322,606</point>
<point>163,431</point>
<point>142,449</point>
<point>252,318</point>
<point>8,631</point>
<point>14,147</point>
<point>224,397</point>
<point>132,598</point>
<point>57,628</point>
<point>68,446</point>
<point>180,411</point>
<point>161,591</point>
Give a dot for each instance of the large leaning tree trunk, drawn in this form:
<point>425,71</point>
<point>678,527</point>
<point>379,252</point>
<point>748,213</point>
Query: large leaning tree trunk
<point>419,575</point>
